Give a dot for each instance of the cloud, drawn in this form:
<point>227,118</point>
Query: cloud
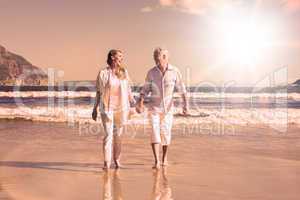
<point>291,5</point>
<point>167,2</point>
<point>187,6</point>
<point>199,7</point>
<point>203,7</point>
<point>147,9</point>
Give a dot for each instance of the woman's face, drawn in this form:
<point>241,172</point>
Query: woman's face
<point>118,59</point>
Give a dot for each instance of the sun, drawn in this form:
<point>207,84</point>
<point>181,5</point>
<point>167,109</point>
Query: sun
<point>244,41</point>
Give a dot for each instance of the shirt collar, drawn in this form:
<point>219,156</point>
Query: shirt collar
<point>169,67</point>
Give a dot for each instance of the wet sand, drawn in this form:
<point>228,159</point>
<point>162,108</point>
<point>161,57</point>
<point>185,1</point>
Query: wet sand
<point>53,161</point>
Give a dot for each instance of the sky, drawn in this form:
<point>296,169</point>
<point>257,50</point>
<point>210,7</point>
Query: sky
<point>217,42</point>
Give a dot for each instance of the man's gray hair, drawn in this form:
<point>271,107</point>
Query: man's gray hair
<point>159,50</point>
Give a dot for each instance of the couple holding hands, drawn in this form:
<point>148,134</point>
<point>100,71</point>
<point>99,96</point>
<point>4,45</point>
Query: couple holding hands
<point>114,97</point>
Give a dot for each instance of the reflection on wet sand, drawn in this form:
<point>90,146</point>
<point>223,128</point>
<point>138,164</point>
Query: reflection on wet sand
<point>112,189</point>
<point>112,186</point>
<point>161,188</point>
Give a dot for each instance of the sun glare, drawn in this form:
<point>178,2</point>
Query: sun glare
<point>245,42</point>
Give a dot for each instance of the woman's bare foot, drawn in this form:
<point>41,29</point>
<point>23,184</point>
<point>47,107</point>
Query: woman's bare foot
<point>106,166</point>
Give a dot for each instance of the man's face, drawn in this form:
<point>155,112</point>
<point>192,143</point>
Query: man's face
<point>118,59</point>
<point>161,59</point>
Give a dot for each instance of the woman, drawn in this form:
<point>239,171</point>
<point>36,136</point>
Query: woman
<point>113,97</point>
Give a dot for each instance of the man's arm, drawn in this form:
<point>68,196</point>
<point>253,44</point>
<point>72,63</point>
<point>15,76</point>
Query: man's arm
<point>182,89</point>
<point>185,104</point>
<point>140,105</point>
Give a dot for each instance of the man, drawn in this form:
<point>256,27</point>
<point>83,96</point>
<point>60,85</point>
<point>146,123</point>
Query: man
<point>160,83</point>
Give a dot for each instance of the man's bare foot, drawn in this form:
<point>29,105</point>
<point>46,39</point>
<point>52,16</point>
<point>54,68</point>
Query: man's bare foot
<point>165,164</point>
<point>156,166</point>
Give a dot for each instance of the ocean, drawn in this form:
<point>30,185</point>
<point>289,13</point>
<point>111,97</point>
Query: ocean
<point>206,106</point>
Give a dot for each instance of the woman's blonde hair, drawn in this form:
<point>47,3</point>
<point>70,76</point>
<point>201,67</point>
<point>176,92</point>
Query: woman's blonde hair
<point>121,70</point>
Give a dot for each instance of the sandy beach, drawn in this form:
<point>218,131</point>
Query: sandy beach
<point>55,161</point>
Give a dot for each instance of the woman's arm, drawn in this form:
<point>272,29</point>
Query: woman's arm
<point>97,101</point>
<point>146,89</point>
<point>97,98</point>
<point>129,84</point>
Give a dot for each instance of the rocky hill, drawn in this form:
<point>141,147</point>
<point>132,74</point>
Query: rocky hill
<point>16,70</point>
<point>297,82</point>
